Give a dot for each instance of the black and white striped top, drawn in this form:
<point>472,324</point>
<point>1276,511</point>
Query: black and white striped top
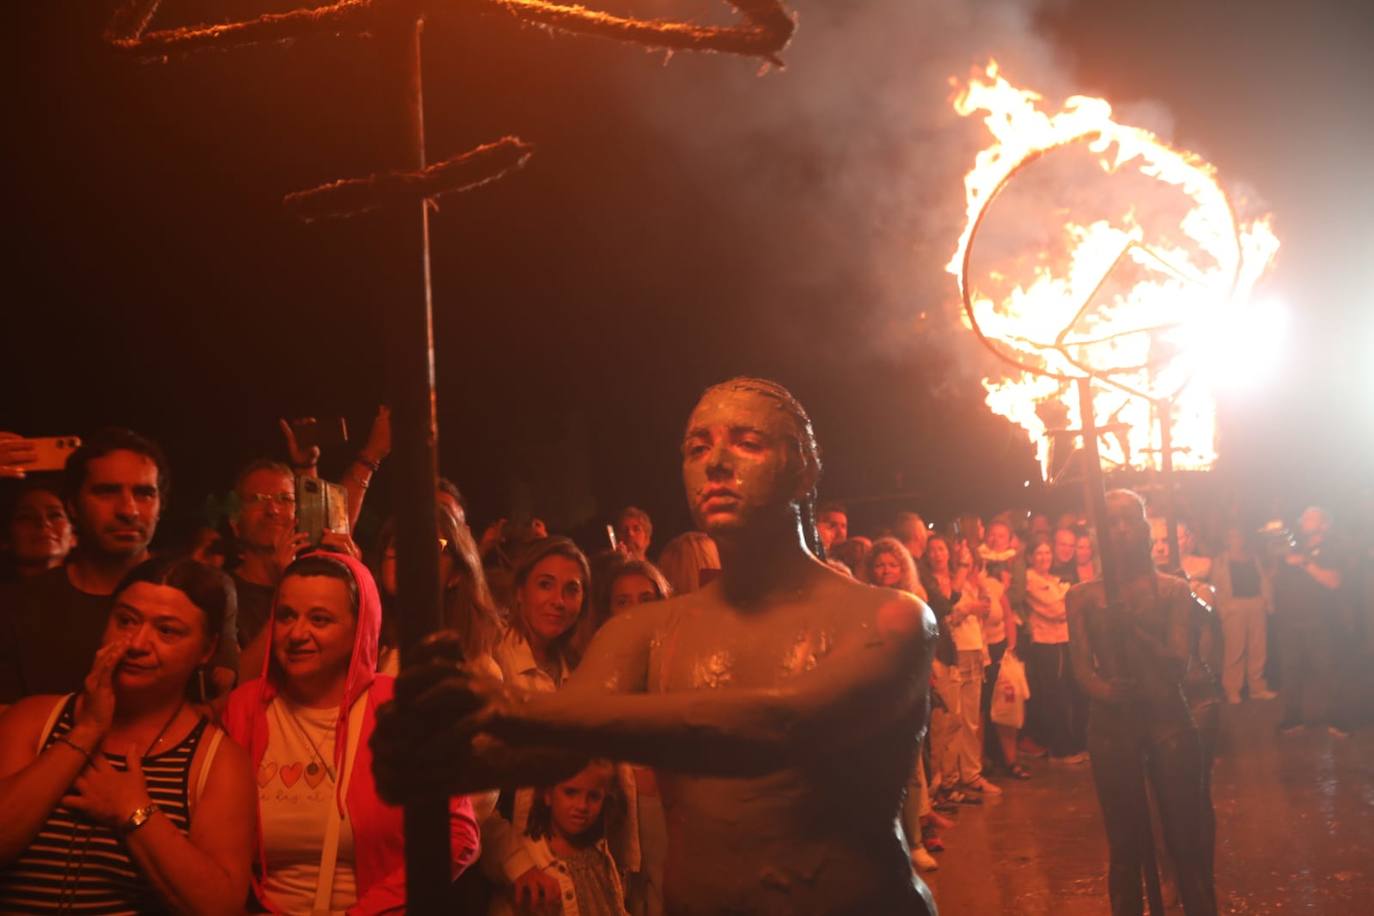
<point>77,865</point>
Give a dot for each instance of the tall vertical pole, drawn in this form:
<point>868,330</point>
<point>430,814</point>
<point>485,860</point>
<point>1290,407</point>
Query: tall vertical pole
<point>1165,410</point>
<point>406,305</point>
<point>1095,490</point>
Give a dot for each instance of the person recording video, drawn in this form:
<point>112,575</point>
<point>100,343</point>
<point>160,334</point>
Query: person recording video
<point>1310,610</point>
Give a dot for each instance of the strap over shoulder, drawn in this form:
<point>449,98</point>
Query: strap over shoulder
<point>53,716</point>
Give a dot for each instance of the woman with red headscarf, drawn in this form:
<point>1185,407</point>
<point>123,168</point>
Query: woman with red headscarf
<point>326,842</point>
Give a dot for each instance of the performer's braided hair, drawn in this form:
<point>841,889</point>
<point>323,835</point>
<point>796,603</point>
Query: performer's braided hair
<point>803,435</point>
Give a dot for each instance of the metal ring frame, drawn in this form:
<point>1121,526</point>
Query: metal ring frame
<point>1059,344</point>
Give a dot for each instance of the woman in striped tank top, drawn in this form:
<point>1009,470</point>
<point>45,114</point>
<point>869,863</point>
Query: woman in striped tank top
<point>122,798</point>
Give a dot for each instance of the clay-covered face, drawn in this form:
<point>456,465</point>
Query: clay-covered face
<point>1127,529</point>
<point>1159,542</point>
<point>740,462</point>
<point>887,572</point>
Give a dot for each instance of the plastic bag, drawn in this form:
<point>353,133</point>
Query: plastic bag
<point>1010,693</point>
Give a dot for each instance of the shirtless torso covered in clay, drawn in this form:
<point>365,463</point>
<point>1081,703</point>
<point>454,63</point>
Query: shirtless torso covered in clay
<point>781,704</point>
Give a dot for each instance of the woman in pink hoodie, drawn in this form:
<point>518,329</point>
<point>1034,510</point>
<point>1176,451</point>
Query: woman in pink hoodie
<point>326,842</point>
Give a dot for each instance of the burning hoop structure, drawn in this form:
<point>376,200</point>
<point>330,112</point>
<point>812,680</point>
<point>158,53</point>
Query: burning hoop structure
<point>1130,304</point>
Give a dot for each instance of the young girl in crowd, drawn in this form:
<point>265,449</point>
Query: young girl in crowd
<point>566,839</point>
<point>123,798</point>
<point>326,842</point>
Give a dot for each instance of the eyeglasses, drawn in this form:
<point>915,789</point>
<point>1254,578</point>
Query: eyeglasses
<point>262,499</point>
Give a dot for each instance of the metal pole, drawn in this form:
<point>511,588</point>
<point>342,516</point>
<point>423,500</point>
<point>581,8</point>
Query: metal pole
<point>1166,464</point>
<point>1095,490</point>
<point>405,301</point>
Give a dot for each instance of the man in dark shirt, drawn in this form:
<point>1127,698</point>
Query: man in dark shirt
<point>1312,618</point>
<point>115,485</point>
<point>264,526</point>
<point>1131,656</point>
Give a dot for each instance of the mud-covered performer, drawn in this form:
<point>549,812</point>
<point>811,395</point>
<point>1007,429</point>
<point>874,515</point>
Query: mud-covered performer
<point>1131,658</point>
<point>781,704</point>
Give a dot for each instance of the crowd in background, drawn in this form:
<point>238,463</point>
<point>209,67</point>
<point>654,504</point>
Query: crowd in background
<point>125,666</point>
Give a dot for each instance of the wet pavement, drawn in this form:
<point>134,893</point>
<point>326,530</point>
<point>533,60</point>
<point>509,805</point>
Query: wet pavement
<point>1295,831</point>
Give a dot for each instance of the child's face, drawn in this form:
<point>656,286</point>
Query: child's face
<point>575,805</point>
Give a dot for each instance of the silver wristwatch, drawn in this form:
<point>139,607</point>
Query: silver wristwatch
<point>139,817</point>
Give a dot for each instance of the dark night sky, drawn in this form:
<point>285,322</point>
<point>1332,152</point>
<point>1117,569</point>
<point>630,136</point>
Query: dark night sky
<point>679,223</point>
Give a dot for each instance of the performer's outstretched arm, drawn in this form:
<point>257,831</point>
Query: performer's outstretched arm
<point>862,688</point>
<point>467,733</point>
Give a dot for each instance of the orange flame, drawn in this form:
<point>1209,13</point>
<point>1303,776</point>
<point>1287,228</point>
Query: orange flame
<point>1125,266</point>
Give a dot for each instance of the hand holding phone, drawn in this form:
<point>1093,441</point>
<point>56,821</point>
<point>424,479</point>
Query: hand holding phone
<point>18,455</point>
<point>320,506</point>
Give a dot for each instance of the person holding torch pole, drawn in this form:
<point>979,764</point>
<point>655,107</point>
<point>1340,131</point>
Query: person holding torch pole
<point>1130,655</point>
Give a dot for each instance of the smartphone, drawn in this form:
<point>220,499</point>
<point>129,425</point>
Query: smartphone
<point>327,434</point>
<point>51,454</point>
<point>320,506</point>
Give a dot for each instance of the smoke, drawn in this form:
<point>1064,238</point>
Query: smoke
<point>847,166</point>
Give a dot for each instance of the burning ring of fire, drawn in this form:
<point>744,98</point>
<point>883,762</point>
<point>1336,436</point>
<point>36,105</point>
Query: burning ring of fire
<point>1133,296</point>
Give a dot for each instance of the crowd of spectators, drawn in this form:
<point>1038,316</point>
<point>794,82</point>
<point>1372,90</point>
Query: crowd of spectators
<point>123,667</point>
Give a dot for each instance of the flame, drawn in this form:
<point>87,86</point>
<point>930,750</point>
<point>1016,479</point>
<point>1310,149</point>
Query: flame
<point>1123,260</point>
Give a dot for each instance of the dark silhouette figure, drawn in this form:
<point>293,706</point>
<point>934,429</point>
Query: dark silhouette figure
<point>1131,659</point>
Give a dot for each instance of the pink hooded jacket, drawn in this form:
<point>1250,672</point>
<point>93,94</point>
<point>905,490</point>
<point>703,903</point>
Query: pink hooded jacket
<point>378,844</point>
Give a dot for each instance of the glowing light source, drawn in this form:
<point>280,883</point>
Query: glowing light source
<point>1238,346</point>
